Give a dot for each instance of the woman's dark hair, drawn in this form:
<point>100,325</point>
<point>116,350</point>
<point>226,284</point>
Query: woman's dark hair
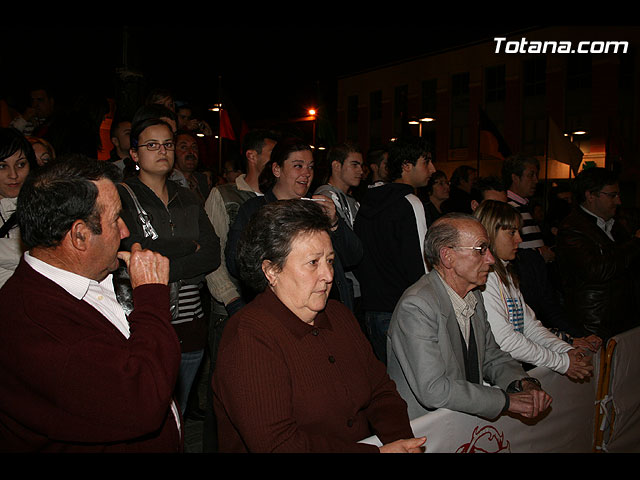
<point>139,126</point>
<point>270,232</point>
<point>59,193</point>
<point>12,141</point>
<point>279,154</point>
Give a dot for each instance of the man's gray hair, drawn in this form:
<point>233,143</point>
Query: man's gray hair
<point>444,232</point>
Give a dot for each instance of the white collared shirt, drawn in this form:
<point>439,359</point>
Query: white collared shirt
<point>463,308</point>
<point>99,295</point>
<point>605,225</point>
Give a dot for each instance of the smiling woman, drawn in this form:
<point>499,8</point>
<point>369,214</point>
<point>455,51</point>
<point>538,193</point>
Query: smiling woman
<point>294,372</point>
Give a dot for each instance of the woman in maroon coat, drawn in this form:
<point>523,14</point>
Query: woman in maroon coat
<point>294,372</point>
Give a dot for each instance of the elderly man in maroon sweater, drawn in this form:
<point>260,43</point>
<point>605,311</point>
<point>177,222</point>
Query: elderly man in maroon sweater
<point>77,374</point>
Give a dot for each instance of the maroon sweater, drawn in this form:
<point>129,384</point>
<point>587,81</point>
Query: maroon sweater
<point>71,382</point>
<point>282,385</point>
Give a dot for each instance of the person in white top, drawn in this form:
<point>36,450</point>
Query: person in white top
<point>17,159</point>
<point>513,323</point>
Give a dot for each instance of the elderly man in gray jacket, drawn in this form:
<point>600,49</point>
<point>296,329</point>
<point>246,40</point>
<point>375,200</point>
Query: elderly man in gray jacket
<point>440,346</point>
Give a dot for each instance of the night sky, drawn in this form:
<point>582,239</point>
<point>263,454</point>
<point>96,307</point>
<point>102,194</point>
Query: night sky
<point>268,71</point>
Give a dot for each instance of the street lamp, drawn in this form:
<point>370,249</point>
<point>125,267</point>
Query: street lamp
<point>419,122</point>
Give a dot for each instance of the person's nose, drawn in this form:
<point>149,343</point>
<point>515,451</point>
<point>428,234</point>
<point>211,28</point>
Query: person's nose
<point>124,230</point>
<point>488,257</point>
<point>517,238</point>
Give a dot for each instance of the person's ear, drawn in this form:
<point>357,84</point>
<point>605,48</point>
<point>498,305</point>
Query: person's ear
<point>252,156</point>
<point>270,272</point>
<point>79,235</point>
<point>275,168</point>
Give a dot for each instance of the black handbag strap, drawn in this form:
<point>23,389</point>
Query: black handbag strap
<point>8,225</point>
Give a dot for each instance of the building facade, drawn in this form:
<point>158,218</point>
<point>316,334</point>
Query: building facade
<point>582,79</point>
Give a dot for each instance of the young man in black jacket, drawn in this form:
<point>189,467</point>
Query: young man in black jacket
<point>391,225</point>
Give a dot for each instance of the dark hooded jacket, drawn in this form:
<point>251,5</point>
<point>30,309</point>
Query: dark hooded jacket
<point>393,254</point>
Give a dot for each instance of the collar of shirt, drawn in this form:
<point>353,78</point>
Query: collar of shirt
<point>100,295</point>
<point>463,308</point>
<point>296,326</point>
<point>517,198</point>
<point>242,184</point>
<point>605,225</point>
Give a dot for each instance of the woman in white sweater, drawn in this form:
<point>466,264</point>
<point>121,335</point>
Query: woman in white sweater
<point>513,323</point>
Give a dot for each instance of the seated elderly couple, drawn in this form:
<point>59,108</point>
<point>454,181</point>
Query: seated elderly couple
<point>295,373</point>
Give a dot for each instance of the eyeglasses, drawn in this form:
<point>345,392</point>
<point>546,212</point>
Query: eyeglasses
<point>611,195</point>
<point>481,249</point>
<point>154,146</point>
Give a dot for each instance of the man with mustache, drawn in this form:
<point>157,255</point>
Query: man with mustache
<point>440,346</point>
<point>184,170</point>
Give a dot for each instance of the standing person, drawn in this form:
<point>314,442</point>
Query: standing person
<point>520,177</point>
<point>462,180</point>
<point>185,168</point>
<point>17,159</point>
<point>183,233</point>
<point>345,161</point>
<point>391,225</point>
<point>275,391</point>
<point>77,373</point>
<point>437,191</point>
<point>598,258</point>
<point>222,206</point>
<point>442,353</point>
<point>513,323</point>
<point>288,175</point>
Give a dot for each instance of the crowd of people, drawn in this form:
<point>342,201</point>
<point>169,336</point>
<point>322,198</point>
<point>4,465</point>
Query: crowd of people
<point>330,309</point>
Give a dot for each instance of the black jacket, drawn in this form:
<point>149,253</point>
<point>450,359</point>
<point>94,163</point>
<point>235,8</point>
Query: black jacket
<point>599,276</point>
<point>393,255</point>
<point>185,234</point>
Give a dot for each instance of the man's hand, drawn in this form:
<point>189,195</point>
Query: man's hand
<point>145,267</point>
<point>592,342</point>
<point>529,403</point>
<point>410,445</point>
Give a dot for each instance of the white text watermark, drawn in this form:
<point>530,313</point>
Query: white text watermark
<point>553,46</point>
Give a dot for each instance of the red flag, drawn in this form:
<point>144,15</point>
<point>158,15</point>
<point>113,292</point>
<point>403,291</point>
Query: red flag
<point>226,130</point>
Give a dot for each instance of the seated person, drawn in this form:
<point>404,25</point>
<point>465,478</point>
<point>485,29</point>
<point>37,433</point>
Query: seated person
<point>440,346</point>
<point>294,371</point>
<point>513,323</point>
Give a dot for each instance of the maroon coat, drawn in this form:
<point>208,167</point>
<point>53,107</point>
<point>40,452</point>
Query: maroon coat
<point>282,385</point>
<point>70,381</point>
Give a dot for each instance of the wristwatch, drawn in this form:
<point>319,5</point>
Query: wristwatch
<point>516,385</point>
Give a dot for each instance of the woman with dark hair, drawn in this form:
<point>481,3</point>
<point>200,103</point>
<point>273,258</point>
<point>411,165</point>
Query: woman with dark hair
<point>17,159</point>
<point>174,224</point>
<point>513,323</point>
<point>288,175</point>
<point>294,372</point>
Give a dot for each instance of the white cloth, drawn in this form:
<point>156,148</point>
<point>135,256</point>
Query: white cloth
<point>518,331</point>
<point>10,247</point>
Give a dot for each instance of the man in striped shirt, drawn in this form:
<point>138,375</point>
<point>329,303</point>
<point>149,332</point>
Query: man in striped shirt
<point>520,176</point>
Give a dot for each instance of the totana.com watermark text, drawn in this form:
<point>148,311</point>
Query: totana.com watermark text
<point>553,46</point>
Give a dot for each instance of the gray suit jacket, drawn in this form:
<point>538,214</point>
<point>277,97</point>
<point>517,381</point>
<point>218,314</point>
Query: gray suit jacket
<point>425,356</point>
